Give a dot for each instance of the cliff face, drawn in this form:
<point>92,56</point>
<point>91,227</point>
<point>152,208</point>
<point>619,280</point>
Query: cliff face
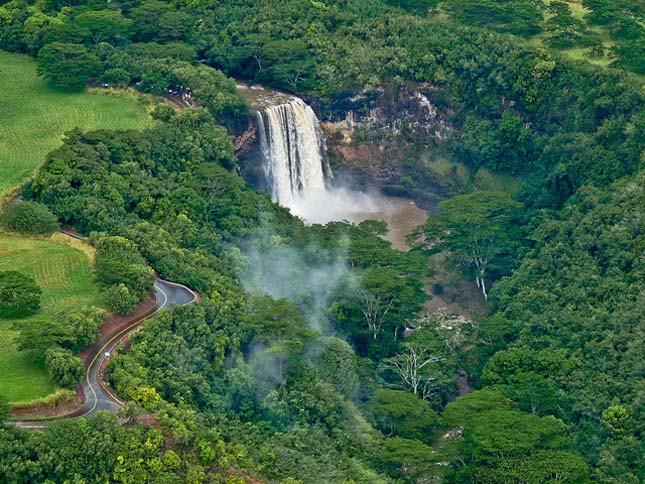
<point>380,139</point>
<point>418,114</point>
<point>374,138</point>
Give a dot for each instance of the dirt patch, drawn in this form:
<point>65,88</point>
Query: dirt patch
<point>178,102</point>
<point>437,303</point>
<point>464,385</point>
<point>64,408</point>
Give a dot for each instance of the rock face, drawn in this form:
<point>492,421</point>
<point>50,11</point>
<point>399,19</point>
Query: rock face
<point>373,136</point>
<point>244,142</point>
<point>418,114</point>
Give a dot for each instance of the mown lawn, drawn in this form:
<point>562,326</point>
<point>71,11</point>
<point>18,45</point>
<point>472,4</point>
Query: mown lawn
<point>64,273</point>
<point>33,117</point>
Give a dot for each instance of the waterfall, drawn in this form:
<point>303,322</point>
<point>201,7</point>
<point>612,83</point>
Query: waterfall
<point>293,151</point>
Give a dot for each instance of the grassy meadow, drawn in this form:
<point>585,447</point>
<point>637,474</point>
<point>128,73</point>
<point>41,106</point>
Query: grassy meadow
<point>65,275</point>
<point>33,117</point>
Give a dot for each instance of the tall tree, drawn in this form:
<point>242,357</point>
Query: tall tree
<point>104,25</point>
<point>67,66</point>
<point>19,294</point>
<point>412,367</point>
<point>476,229</point>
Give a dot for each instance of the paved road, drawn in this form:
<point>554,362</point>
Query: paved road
<point>97,395</point>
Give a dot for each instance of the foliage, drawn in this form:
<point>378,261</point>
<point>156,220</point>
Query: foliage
<point>19,294</point>
<point>84,325</point>
<point>399,413</point>
<point>123,271</point>
<point>5,410</point>
<point>63,367</point>
<point>64,273</point>
<point>67,66</point>
<point>558,357</point>
<point>119,299</point>
<point>109,453</point>
<point>562,274</point>
<point>29,218</point>
<point>35,117</point>
<point>477,229</point>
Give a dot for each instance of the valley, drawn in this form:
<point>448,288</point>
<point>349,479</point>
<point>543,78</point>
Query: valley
<point>340,241</point>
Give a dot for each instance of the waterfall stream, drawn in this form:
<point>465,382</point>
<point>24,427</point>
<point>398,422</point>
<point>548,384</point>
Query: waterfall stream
<point>293,151</point>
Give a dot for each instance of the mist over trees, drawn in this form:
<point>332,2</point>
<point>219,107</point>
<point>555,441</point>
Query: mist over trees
<point>309,357</point>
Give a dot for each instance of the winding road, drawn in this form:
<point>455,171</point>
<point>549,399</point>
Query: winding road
<point>97,395</point>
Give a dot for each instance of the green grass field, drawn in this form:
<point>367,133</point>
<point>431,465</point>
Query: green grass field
<point>64,273</point>
<point>34,117</point>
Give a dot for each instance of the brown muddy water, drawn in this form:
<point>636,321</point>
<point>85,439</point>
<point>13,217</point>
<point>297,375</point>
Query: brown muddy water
<point>402,215</point>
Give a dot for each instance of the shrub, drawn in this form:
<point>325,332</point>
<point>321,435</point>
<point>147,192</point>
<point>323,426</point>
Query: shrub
<point>63,367</point>
<point>29,218</point>
<point>117,77</point>
<point>19,295</point>
<point>163,112</point>
<point>85,326</point>
<point>118,261</point>
<point>5,410</point>
<point>119,299</point>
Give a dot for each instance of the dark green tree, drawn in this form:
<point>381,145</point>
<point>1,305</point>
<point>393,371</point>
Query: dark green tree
<point>67,66</point>
<point>403,414</point>
<point>5,410</point>
<point>29,218</point>
<point>476,228</point>
<point>63,367</point>
<point>104,25</point>
<point>19,295</point>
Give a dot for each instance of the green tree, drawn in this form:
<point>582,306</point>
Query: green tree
<point>146,19</point>
<point>39,336</point>
<point>120,299</point>
<point>19,295</point>
<point>118,262</point>
<point>336,363</point>
<point>63,367</point>
<point>476,228</point>
<point>409,460</point>
<point>84,325</point>
<point>117,77</point>
<point>5,410</point>
<point>403,414</point>
<point>174,25</point>
<point>104,25</point>
<point>494,430</point>
<point>67,66</point>
<point>545,467</point>
<point>29,218</point>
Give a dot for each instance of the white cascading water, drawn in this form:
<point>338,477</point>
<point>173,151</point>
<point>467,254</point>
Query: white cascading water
<point>293,150</point>
<point>294,163</point>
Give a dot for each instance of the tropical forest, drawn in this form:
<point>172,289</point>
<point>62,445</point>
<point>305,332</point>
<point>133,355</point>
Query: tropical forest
<point>322,241</point>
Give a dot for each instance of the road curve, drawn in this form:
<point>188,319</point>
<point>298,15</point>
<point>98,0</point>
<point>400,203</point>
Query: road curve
<point>97,395</point>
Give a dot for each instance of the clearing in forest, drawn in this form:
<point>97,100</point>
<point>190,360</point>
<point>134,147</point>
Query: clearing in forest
<point>34,117</point>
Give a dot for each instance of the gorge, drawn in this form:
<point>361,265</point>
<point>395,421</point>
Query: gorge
<point>293,158</point>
